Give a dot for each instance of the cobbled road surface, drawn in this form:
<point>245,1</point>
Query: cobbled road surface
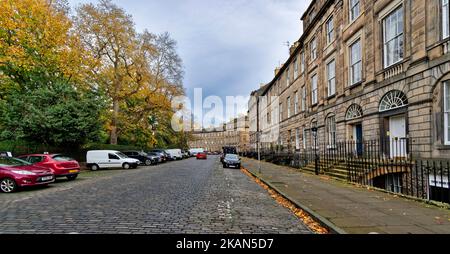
<point>186,196</point>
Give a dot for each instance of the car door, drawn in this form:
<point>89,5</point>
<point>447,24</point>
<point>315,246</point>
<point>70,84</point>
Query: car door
<point>114,161</point>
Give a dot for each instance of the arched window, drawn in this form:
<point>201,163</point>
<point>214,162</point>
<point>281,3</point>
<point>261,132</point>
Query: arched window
<point>393,100</point>
<point>353,112</point>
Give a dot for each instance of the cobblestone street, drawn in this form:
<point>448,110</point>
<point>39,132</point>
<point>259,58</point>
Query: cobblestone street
<point>187,196</point>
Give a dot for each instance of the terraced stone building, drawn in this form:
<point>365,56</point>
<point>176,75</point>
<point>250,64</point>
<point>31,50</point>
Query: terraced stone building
<point>365,70</point>
<point>235,133</point>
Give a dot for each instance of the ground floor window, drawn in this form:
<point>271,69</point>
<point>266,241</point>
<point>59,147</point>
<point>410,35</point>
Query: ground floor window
<point>304,137</point>
<point>394,183</point>
<point>331,131</point>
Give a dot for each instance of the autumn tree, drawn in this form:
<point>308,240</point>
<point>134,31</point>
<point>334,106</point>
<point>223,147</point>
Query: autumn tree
<point>141,72</point>
<point>44,96</point>
<point>35,42</point>
<point>108,32</point>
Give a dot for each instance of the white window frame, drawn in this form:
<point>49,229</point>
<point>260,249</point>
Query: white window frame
<point>312,14</point>
<point>303,98</point>
<point>304,137</point>
<point>356,63</point>
<point>354,9</point>
<point>295,68</point>
<point>302,62</point>
<point>297,139</point>
<point>445,10</point>
<point>331,131</point>
<point>281,113</point>
<point>313,48</point>
<point>329,26</point>
<point>447,112</point>
<point>398,38</point>
<point>296,103</point>
<point>314,90</point>
<point>288,105</point>
<point>331,77</point>
<point>288,81</point>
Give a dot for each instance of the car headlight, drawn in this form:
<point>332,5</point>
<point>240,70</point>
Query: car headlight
<point>23,172</point>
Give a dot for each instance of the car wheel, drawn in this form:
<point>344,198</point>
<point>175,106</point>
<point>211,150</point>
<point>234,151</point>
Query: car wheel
<point>72,177</point>
<point>126,166</point>
<point>95,167</point>
<point>148,162</point>
<point>224,166</point>
<point>8,185</point>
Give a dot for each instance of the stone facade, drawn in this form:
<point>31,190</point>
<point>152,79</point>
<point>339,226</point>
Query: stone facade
<point>234,133</point>
<point>389,63</point>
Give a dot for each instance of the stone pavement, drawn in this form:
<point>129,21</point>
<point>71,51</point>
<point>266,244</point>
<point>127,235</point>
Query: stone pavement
<point>186,196</point>
<point>353,209</point>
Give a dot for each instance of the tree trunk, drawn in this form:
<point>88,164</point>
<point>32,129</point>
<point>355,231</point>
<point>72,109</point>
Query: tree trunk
<point>113,135</point>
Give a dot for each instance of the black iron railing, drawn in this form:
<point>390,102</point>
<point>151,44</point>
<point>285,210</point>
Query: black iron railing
<point>388,164</point>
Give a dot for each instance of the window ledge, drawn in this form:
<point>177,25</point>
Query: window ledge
<point>354,85</point>
<point>443,147</point>
<point>331,96</point>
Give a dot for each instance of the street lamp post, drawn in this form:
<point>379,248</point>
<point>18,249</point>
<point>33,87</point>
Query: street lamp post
<point>259,152</point>
<point>316,157</point>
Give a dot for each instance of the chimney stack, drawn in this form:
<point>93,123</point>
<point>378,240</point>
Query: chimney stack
<point>277,70</point>
<point>293,47</point>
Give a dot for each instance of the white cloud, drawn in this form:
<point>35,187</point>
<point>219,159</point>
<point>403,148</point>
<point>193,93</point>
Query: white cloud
<point>228,47</point>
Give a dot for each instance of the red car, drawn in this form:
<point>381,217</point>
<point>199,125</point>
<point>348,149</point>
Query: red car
<point>202,156</point>
<point>60,165</point>
<point>15,173</point>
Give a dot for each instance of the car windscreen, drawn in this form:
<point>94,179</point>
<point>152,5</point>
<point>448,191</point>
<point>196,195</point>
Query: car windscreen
<point>61,157</point>
<point>10,162</point>
<point>231,157</point>
<point>121,155</point>
<point>142,153</point>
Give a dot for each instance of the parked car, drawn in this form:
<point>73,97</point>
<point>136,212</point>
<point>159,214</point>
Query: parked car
<point>227,150</point>
<point>163,153</point>
<point>232,160</point>
<point>185,154</point>
<point>98,159</point>
<point>175,154</point>
<point>159,156</point>
<point>60,165</point>
<point>16,173</point>
<point>143,157</point>
<point>202,156</point>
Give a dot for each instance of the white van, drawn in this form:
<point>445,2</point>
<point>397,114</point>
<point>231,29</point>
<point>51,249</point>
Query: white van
<point>96,160</point>
<point>175,154</point>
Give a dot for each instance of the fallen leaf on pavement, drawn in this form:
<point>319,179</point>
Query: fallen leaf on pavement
<point>302,215</point>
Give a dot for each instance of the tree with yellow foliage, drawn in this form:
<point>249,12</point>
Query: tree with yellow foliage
<point>141,73</point>
<point>35,39</point>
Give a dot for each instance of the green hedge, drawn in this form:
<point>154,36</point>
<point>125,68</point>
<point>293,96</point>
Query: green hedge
<point>79,153</point>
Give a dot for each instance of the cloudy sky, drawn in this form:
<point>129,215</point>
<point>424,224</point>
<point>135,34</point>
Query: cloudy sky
<point>228,47</point>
